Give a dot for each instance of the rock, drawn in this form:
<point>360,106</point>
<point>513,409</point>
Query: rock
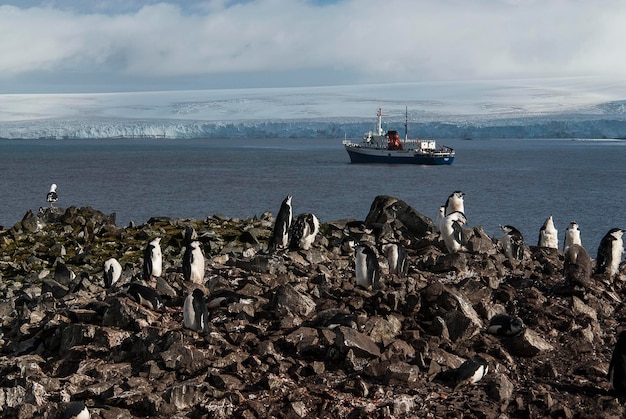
<point>349,339</point>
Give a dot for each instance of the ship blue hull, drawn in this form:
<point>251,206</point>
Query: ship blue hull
<point>397,158</point>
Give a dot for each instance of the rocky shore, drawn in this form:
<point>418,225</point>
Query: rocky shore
<point>294,336</point>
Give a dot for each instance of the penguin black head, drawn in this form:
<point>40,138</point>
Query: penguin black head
<point>75,410</point>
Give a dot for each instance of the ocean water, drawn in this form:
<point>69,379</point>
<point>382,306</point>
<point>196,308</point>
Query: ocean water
<point>509,181</point>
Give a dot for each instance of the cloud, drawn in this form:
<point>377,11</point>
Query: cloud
<point>364,40</point>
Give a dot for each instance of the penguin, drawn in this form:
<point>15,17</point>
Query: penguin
<point>572,235</point>
<point>454,203</point>
<point>282,225</point>
<point>144,295</point>
<point>303,231</point>
<point>195,312</point>
<point>152,259</point>
<point>440,217</point>
<point>610,252</point>
<point>513,242</point>
<point>112,272</point>
<point>51,196</point>
<point>505,325</point>
<point>452,232</point>
<point>396,258</point>
<point>471,371</point>
<point>75,410</point>
<point>577,265</point>
<point>548,235</point>
<point>193,263</point>
<point>224,298</point>
<point>617,366</point>
<point>366,266</point>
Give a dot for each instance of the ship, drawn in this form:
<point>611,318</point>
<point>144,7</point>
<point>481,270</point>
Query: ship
<point>380,147</point>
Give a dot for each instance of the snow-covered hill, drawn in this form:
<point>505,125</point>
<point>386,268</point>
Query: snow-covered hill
<point>545,108</point>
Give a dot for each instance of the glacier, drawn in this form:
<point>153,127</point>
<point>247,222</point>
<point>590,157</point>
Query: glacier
<point>536,108</point>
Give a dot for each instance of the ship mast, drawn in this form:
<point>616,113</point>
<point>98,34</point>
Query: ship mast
<point>380,121</point>
<point>406,123</point>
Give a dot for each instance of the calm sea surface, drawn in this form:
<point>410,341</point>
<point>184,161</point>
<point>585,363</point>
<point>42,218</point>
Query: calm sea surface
<point>517,182</point>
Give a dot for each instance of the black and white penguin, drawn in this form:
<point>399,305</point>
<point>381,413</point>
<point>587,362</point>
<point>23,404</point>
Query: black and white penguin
<point>366,266</point>
<point>145,296</point>
<point>471,371</point>
<point>224,298</point>
<point>51,196</point>
<point>617,366</point>
<point>152,259</point>
<point>610,252</point>
<point>112,272</point>
<point>577,265</point>
<point>193,263</point>
<point>195,312</point>
<point>282,225</point>
<point>440,216</point>
<point>512,242</point>
<point>572,235</point>
<point>548,235</point>
<point>454,203</point>
<point>75,410</point>
<point>303,231</point>
<point>452,232</point>
<point>396,258</point>
<point>505,325</point>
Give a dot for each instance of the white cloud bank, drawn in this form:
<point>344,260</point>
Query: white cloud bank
<point>361,40</point>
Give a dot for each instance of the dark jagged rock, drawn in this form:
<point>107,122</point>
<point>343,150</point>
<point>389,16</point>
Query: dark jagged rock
<point>291,335</point>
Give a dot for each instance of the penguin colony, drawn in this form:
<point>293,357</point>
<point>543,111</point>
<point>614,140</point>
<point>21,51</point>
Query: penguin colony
<point>300,234</point>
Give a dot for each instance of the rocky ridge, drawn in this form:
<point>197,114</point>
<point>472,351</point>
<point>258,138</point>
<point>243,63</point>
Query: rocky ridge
<point>297,338</point>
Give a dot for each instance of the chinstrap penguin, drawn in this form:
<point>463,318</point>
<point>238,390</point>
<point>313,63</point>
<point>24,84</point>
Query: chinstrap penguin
<point>577,265</point>
<point>617,366</point>
<point>455,203</point>
<point>152,259</point>
<point>512,242</point>
<point>51,196</point>
<point>303,231</point>
<point>75,410</point>
<point>572,235</point>
<point>452,232</point>
<point>396,258</point>
<point>440,216</point>
<point>366,266</point>
<point>548,235</point>
<point>193,263</point>
<point>112,272</point>
<point>145,296</point>
<point>471,371</point>
<point>282,225</point>
<point>610,252</point>
<point>195,312</point>
<point>505,325</point>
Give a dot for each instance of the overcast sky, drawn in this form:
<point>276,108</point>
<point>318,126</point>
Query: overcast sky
<point>53,46</point>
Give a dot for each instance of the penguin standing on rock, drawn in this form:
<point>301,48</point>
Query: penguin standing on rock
<point>577,265</point>
<point>112,272</point>
<point>505,325</point>
<point>617,366</point>
<point>193,263</point>
<point>396,258</point>
<point>303,231</point>
<point>455,203</point>
<point>512,242</point>
<point>51,196</point>
<point>366,266</point>
<point>195,312</point>
<point>282,225</point>
<point>548,235</point>
<point>152,259</point>
<point>452,232</point>
<point>610,252</point>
